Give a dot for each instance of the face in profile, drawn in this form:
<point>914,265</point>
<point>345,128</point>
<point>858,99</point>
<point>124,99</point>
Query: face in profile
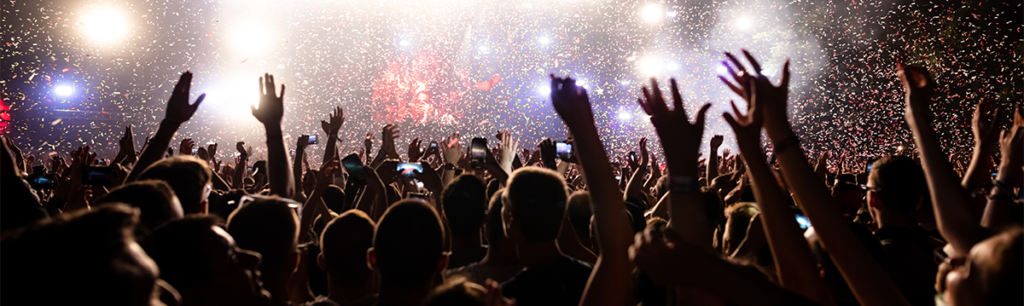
<point>234,270</point>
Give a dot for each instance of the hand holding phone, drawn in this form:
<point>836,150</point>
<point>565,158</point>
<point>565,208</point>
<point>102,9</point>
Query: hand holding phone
<point>478,152</point>
<point>354,166</point>
<point>97,175</point>
<point>563,150</point>
<point>312,139</point>
<point>409,169</point>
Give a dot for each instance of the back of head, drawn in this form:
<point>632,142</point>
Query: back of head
<point>155,200</point>
<point>899,182</point>
<point>187,175</point>
<point>85,255</point>
<point>579,213</point>
<point>465,203</point>
<point>537,197</point>
<point>495,228</point>
<point>344,243</point>
<point>1008,276</point>
<point>267,225</point>
<point>334,197</point>
<point>407,244</point>
<point>178,247</point>
<point>458,292</point>
<point>738,217</point>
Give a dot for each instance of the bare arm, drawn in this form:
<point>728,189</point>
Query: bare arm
<point>713,159</point>
<point>178,111</point>
<point>331,128</point>
<point>270,113</point>
<point>1011,174</point>
<point>300,154</point>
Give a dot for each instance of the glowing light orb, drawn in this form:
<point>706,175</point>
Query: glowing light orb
<point>673,66</point>
<point>721,70</point>
<point>544,90</point>
<point>251,37</point>
<point>404,43</point>
<point>63,90</point>
<point>581,82</point>
<point>743,23</point>
<point>624,115</point>
<point>671,14</point>
<point>651,13</point>
<point>650,66</point>
<point>544,40</point>
<point>104,25</point>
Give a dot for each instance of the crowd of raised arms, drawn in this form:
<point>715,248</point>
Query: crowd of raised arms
<point>456,223</point>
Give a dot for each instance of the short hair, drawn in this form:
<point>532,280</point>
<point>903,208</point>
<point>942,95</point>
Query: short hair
<point>579,214</point>
<point>334,198</point>
<point>537,198</point>
<point>188,177</point>
<point>178,247</point>
<point>899,182</point>
<point>267,225</point>
<point>408,243</point>
<point>458,291</point>
<point>1007,281</point>
<point>465,204</point>
<point>84,251</point>
<point>153,198</point>
<point>344,243</point>
<point>742,212</point>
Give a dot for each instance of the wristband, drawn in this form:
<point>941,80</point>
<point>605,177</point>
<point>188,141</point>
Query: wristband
<point>790,141</point>
<point>683,184</point>
<point>449,166</point>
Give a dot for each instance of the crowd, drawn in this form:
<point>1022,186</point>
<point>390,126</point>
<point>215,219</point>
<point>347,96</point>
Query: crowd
<point>558,225</point>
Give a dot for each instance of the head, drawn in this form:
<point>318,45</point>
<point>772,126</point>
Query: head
<point>896,187</point>
<point>107,267</point>
<point>579,215</point>
<point>334,197</point>
<point>534,205</point>
<point>465,205</point>
<point>458,292</point>
<point>268,225</point>
<point>847,194</point>
<point>202,261</point>
<point>737,220</point>
<point>828,271</point>
<point>309,181</point>
<point>408,246</point>
<point>155,200</point>
<point>343,247</point>
<point>991,274</point>
<point>188,176</point>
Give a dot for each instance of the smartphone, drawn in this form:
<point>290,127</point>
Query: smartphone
<point>871,162</point>
<point>312,139</point>
<point>293,153</point>
<point>354,166</point>
<point>97,175</point>
<point>803,221</point>
<point>260,166</point>
<point>632,156</point>
<point>563,149</point>
<point>417,195</point>
<point>478,152</point>
<point>194,151</point>
<point>409,169</point>
<point>994,174</point>
<point>249,169</point>
<point>40,180</point>
<point>618,177</point>
<point>433,145</point>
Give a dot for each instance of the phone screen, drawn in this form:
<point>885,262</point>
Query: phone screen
<point>803,221</point>
<point>409,169</point>
<point>38,180</point>
<point>353,166</point>
<point>96,175</point>
<point>312,139</point>
<point>478,151</point>
<point>563,149</point>
<point>433,145</point>
<point>632,156</point>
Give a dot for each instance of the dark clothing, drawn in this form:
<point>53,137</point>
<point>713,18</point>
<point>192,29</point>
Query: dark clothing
<point>559,284</point>
<point>910,262</point>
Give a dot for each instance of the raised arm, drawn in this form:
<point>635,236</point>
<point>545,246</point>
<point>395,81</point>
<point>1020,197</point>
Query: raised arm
<point>611,225</point>
<point>331,128</point>
<point>178,111</point>
<point>1011,174</point>
<point>713,159</point>
<point>985,128</point>
<point>300,154</point>
<point>793,259</point>
<point>953,215</point>
<point>270,113</point>
<point>636,179</point>
<point>867,280</point>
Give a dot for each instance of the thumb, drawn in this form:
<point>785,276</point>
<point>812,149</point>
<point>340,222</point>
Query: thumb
<point>732,122</point>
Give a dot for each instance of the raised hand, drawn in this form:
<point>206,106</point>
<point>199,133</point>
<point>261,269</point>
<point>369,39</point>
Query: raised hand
<point>643,153</point>
<point>186,146</point>
<point>388,135</point>
<point>716,142</point>
<point>919,87</point>
<point>368,142</point>
<point>127,143</point>
<point>679,138</point>
<point>509,146</point>
<point>178,108</point>
<point>240,146</point>
<point>1011,145</point>
<point>211,150</point>
<point>985,123</point>
<point>337,119</point>
<point>301,143</point>
<point>414,150</point>
<point>271,108</point>
<point>572,104</point>
<point>746,126</point>
<point>548,152</point>
<point>772,98</point>
<point>452,149</point>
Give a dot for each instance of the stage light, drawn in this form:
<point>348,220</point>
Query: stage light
<point>544,40</point>
<point>484,49</point>
<point>721,70</point>
<point>651,13</point>
<point>743,23</point>
<point>624,82</point>
<point>403,43</point>
<point>544,90</point>
<point>251,37</point>
<point>624,115</point>
<point>104,25</point>
<point>673,66</point>
<point>63,90</point>
<point>581,82</point>
<point>650,66</point>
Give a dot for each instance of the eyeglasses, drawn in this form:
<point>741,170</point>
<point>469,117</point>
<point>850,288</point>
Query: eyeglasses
<point>867,188</point>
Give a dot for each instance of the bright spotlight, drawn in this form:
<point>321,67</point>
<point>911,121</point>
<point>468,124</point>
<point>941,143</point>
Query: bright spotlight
<point>544,40</point>
<point>624,115</point>
<point>624,82</point>
<point>743,23</point>
<point>721,70</point>
<point>104,25</point>
<point>403,43</point>
<point>250,37</point>
<point>63,90</point>
<point>581,82</point>
<point>650,66</point>
<point>484,49</point>
<point>673,66</point>
<point>671,14</point>
<point>651,13</point>
<point>544,90</point>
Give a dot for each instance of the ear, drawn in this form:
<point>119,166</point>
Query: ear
<point>321,262</point>
<point>442,263</point>
<point>873,200</point>
<point>371,259</point>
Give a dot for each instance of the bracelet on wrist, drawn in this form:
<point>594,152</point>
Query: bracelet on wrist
<point>789,142</point>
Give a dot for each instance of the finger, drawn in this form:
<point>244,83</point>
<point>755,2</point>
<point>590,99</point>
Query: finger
<point>656,95</point>
<point>200,99</point>
<point>700,115</point>
<point>643,106</point>
<point>732,122</point>
<point>282,92</point>
<point>262,88</point>
<point>753,62</point>
<point>677,98</point>
<point>736,62</point>
<point>785,75</point>
<point>734,88</point>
